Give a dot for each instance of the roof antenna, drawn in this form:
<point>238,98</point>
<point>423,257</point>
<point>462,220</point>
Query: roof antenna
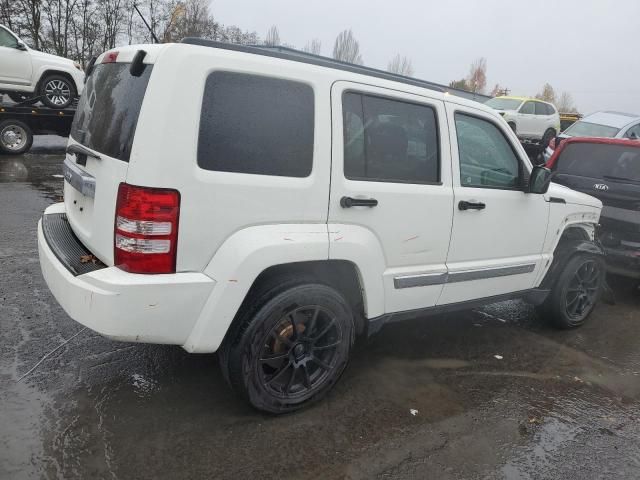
<point>153,35</point>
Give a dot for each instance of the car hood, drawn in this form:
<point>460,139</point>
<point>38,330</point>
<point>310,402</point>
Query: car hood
<point>572,196</point>
<point>49,58</point>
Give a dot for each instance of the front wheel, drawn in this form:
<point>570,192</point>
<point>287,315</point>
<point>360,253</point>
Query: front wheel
<point>57,91</point>
<point>289,352</point>
<point>576,292</point>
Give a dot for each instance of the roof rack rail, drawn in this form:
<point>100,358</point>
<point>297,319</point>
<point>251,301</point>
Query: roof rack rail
<point>294,55</point>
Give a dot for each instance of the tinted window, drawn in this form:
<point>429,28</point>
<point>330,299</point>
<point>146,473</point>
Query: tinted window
<point>486,156</point>
<point>389,140</point>
<point>255,124</point>
<point>6,39</point>
<point>542,109</point>
<point>529,108</point>
<point>607,162</point>
<point>108,109</point>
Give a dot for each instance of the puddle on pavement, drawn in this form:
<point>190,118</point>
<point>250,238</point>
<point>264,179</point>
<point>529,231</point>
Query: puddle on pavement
<point>42,172</point>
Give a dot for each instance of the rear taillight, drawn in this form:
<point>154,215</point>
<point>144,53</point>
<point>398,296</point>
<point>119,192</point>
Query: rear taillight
<point>146,229</point>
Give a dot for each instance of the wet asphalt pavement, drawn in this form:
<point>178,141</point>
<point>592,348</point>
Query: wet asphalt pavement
<point>556,405</point>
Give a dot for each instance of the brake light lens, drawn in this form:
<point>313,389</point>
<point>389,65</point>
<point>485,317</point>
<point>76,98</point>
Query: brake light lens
<point>146,229</point>
<point>110,57</point>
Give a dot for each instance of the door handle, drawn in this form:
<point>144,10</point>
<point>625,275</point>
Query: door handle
<point>464,205</point>
<point>348,202</point>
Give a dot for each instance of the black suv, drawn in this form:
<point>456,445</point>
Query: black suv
<point>608,169</point>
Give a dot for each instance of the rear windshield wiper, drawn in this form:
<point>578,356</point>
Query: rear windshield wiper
<point>620,179</point>
<point>76,148</point>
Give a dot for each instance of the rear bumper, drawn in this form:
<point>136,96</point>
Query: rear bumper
<point>623,261</point>
<point>125,306</point>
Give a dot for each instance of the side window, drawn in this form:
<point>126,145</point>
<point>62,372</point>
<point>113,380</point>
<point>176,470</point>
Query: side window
<point>529,108</point>
<point>633,133</point>
<point>542,109</point>
<point>6,39</point>
<point>487,159</point>
<point>551,110</point>
<point>389,140</point>
<point>255,124</point>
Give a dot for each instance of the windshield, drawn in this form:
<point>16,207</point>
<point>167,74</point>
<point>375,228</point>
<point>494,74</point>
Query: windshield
<point>609,162</point>
<point>108,109</point>
<point>586,129</point>
<point>504,103</point>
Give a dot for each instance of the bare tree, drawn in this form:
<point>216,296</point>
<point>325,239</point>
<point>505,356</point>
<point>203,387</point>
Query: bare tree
<point>347,48</point>
<point>273,37</point>
<point>314,46</point>
<point>31,9</point>
<point>401,65</point>
<point>565,103</point>
<point>547,94</point>
<point>459,84</point>
<point>477,79</point>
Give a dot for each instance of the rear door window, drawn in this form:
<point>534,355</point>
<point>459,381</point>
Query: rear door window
<point>528,108</point>
<point>256,124</point>
<point>389,140</point>
<point>108,110</point>
<point>542,109</point>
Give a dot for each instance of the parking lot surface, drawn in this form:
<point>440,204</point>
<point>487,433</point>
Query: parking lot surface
<point>485,394</point>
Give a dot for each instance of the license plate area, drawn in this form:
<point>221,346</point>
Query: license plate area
<point>82,181</point>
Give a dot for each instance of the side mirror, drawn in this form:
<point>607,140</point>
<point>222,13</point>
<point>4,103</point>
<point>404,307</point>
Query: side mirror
<point>21,46</point>
<point>540,179</point>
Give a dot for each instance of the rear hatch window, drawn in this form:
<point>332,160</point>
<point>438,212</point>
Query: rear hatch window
<point>616,163</point>
<point>107,113</point>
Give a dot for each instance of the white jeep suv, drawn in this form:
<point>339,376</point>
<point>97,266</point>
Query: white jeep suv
<point>28,75</point>
<point>534,121</point>
<point>285,205</point>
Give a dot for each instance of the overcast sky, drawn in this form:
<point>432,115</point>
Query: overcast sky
<point>591,48</point>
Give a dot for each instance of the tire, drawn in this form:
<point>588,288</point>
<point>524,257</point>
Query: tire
<point>576,292</point>
<point>546,138</point>
<point>269,359</point>
<point>15,137</point>
<point>22,98</point>
<point>57,91</point>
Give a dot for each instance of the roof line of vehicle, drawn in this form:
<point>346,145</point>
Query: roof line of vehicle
<point>294,55</point>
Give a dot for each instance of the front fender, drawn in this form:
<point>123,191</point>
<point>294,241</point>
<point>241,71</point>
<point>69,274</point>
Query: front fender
<point>565,250</point>
<point>239,261</point>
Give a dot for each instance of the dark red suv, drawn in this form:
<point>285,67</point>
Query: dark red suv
<point>608,169</point>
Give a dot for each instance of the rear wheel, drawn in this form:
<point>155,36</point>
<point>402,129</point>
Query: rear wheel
<point>576,292</point>
<point>57,91</point>
<point>15,137</point>
<point>288,352</point>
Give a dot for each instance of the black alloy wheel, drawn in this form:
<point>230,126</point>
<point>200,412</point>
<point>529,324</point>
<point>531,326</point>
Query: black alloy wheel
<point>299,352</point>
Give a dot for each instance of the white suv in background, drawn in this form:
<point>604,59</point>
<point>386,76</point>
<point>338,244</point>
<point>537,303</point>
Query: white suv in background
<point>307,203</point>
<point>533,120</point>
<point>28,75</point>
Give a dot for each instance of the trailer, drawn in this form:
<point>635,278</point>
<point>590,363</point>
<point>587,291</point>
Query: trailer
<point>19,123</point>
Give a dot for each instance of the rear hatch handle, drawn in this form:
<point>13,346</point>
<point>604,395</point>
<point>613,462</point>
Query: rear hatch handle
<point>78,149</point>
